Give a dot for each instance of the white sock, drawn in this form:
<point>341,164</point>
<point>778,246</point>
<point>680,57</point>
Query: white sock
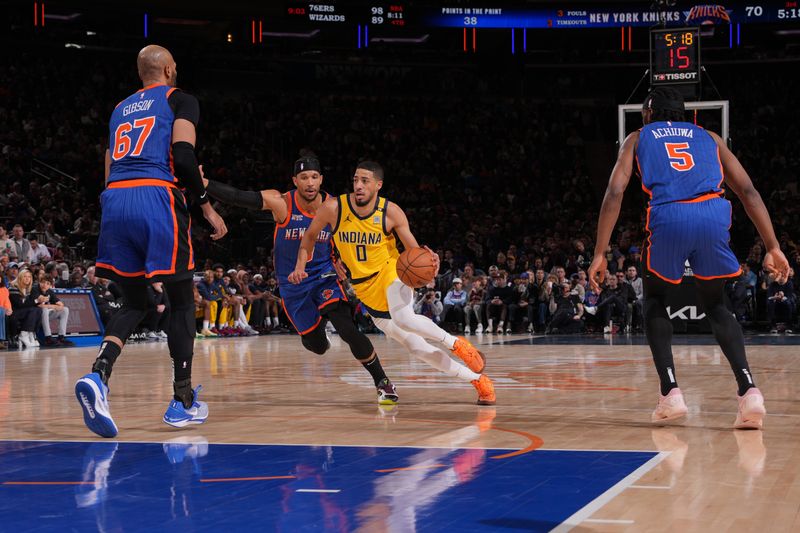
<point>449,341</point>
<point>440,361</point>
<point>205,324</point>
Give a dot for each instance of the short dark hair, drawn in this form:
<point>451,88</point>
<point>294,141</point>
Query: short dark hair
<point>372,166</point>
<point>667,105</point>
<point>216,266</point>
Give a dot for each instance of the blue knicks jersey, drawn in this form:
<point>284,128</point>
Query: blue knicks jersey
<point>140,136</point>
<point>678,161</point>
<point>287,244</point>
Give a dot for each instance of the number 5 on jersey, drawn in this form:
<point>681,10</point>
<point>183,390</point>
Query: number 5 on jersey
<point>122,137</point>
<point>679,157</point>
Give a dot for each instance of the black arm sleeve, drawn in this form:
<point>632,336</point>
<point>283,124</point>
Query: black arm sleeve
<point>231,195</point>
<point>185,106</point>
<point>186,170</point>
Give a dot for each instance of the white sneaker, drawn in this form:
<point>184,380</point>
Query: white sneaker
<point>25,340</point>
<point>467,331</point>
<point>161,335</point>
<point>607,330</point>
<point>490,328</point>
<point>530,328</point>
<point>479,329</point>
<point>591,309</point>
<point>751,410</point>
<point>152,335</point>
<point>670,407</point>
<point>500,328</point>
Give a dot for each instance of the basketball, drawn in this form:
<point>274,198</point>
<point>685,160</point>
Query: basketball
<point>415,267</point>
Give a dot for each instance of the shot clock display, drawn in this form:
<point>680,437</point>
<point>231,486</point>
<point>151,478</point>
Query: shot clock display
<point>674,56</point>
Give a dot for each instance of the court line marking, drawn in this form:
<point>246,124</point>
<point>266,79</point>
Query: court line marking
<point>336,445</point>
<point>49,482</point>
<point>595,505</point>
<point>256,478</point>
<point>419,467</point>
<point>660,487</point>
<point>326,491</point>
<point>607,521</point>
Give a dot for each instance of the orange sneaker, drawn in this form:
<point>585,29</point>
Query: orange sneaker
<point>471,356</point>
<point>485,390</point>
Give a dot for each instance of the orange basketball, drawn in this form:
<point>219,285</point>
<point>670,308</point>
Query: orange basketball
<point>415,267</point>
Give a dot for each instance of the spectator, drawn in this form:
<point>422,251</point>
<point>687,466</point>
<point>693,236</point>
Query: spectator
<point>429,305</point>
<point>38,253</point>
<point>454,302</point>
<point>474,306</point>
<point>12,271</point>
<point>27,315</point>
<point>22,246</point>
<point>7,245</point>
<point>612,302</point>
<point>107,295</point>
<point>51,306</point>
<point>518,310</point>
<point>76,279</point>
<point>567,310</point>
<point>781,304</point>
<point>636,309</point>
<point>501,294</point>
<point>273,303</point>
<point>210,290</point>
<point>5,311</point>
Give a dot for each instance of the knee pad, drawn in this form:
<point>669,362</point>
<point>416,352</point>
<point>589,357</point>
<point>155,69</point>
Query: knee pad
<point>316,341</point>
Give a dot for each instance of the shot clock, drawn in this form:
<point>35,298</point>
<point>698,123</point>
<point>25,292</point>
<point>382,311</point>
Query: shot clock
<point>674,56</point>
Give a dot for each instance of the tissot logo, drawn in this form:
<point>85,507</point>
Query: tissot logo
<point>687,312</point>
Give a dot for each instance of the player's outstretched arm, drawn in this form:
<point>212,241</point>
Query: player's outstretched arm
<point>328,214</point>
<point>187,170</point>
<point>397,222</point>
<point>609,212</point>
<point>739,181</point>
<point>266,200</point>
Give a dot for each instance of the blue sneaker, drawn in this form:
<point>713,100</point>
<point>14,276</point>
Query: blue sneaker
<point>92,396</point>
<point>178,416</point>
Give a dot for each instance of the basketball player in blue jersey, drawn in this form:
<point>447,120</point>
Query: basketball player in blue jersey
<point>145,232</point>
<point>321,294</point>
<point>683,168</point>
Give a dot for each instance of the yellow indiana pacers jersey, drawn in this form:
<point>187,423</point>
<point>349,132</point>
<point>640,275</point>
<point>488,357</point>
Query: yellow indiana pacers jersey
<point>369,253</point>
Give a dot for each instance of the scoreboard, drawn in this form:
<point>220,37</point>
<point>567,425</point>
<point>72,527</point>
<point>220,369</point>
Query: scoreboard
<point>569,15</point>
<point>674,56</point>
<point>332,12</point>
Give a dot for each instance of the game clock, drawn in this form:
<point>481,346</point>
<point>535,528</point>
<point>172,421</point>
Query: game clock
<point>674,56</point>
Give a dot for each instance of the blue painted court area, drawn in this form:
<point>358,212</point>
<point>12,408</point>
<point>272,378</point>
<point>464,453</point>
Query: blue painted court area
<point>194,486</point>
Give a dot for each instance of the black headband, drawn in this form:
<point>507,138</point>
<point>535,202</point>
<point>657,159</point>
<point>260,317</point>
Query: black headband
<point>306,163</point>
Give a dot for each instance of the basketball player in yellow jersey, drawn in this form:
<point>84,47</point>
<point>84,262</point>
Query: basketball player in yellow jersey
<point>364,226</point>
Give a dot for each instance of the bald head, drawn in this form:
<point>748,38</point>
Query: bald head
<point>156,65</point>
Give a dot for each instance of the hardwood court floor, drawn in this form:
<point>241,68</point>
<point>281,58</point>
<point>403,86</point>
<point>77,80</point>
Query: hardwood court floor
<point>573,394</point>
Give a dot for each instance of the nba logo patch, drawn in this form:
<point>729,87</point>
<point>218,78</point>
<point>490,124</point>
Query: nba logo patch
<point>376,220</point>
<point>326,294</point>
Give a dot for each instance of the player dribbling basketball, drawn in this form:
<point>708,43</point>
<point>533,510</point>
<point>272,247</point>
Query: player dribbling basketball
<point>364,225</point>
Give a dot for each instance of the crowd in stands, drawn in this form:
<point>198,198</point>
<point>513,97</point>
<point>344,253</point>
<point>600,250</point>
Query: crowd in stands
<point>501,187</point>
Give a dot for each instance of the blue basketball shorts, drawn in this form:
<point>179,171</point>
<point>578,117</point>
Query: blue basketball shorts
<point>305,302</point>
<point>694,231</point>
<point>144,232</point>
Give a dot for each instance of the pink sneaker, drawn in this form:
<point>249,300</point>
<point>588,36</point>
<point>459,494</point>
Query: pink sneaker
<point>751,410</point>
<point>670,407</point>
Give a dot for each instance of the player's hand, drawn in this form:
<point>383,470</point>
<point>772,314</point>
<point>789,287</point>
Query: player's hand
<point>597,272</point>
<point>220,229</point>
<point>160,308</point>
<point>436,260</point>
<point>340,270</point>
<point>776,264</point>
<point>202,175</point>
<point>297,276</point>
